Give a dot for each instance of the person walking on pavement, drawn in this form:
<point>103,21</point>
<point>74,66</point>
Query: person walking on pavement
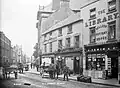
<point>57,71</point>
<point>65,72</point>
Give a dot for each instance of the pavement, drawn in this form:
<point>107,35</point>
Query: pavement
<point>108,82</point>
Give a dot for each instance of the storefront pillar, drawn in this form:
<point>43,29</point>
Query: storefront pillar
<point>106,62</point>
<point>119,69</point>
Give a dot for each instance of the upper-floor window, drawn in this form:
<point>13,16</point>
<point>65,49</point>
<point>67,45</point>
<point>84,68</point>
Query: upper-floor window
<point>45,37</point>
<point>111,30</point>
<point>92,13</point>
<point>69,28</point>
<point>67,42</point>
<point>60,32</point>
<point>76,41</point>
<point>111,5</point>
<point>50,46</point>
<point>92,35</point>
<point>50,35</point>
<point>59,44</point>
<point>45,47</point>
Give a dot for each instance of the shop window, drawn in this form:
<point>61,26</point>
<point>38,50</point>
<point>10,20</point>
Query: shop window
<point>69,28</point>
<point>59,44</point>
<point>50,46</point>
<point>111,30</point>
<point>60,32</point>
<point>67,42</point>
<point>76,41</point>
<point>93,13</point>
<point>95,63</point>
<point>92,35</point>
<point>111,5</point>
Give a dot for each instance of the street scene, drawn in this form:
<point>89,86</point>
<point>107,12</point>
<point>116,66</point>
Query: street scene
<point>32,79</point>
<point>60,44</point>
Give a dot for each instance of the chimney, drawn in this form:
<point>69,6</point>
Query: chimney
<point>55,4</point>
<point>64,3</point>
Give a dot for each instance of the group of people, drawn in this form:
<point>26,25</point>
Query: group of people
<point>55,70</point>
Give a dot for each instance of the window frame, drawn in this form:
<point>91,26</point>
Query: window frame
<point>113,9</point>
<point>75,41</point>
<point>69,29</point>
<point>68,44</point>
<point>60,44</point>
<point>45,47</point>
<point>113,23</point>
<point>92,35</point>
<point>50,46</point>
<point>59,32</point>
<point>93,10</point>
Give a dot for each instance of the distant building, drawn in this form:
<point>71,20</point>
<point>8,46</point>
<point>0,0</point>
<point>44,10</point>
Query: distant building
<point>5,50</point>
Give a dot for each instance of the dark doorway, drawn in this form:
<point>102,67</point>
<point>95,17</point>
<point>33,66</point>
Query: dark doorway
<point>114,67</point>
<point>76,66</point>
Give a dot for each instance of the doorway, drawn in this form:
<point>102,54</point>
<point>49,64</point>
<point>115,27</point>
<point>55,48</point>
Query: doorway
<point>76,66</point>
<point>114,67</point>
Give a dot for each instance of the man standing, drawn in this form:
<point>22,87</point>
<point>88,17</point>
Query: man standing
<point>65,72</point>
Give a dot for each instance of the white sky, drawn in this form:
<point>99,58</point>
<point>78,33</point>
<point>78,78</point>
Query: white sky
<point>18,22</point>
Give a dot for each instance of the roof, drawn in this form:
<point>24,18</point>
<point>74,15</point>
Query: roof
<point>88,3</point>
<point>69,20</point>
<point>56,17</point>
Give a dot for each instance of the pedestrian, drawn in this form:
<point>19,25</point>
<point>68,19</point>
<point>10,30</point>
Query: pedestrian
<point>16,74</point>
<point>65,72</point>
<point>57,71</point>
<point>41,72</point>
<point>50,71</point>
<point>31,65</point>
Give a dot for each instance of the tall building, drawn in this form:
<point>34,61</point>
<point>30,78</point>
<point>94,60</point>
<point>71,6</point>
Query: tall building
<point>101,25</point>
<point>61,37</point>
<point>5,50</point>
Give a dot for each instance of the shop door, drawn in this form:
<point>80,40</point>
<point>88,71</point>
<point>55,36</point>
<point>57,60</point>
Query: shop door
<point>76,66</point>
<point>114,67</point>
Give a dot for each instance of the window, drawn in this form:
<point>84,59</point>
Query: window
<point>111,30</point>
<point>76,41</point>
<point>95,63</point>
<point>93,13</point>
<point>67,42</point>
<point>45,37</point>
<point>111,5</point>
<point>60,32</point>
<point>59,44</point>
<point>92,35</point>
<point>69,28</point>
<point>50,35</point>
<point>45,48</point>
<point>50,46</point>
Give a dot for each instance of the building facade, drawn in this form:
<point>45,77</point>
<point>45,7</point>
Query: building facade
<point>62,40</point>
<point>5,50</point>
<point>102,37</point>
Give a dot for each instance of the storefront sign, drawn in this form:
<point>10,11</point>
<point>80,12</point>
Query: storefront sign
<point>102,20</point>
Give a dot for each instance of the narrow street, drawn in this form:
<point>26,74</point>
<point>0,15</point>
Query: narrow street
<point>30,80</point>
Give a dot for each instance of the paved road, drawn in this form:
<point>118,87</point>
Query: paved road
<point>29,80</point>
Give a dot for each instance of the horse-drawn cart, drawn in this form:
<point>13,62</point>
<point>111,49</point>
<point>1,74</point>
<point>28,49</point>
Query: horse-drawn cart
<point>10,70</point>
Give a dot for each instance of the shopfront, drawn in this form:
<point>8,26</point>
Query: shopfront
<point>73,59</point>
<point>100,58</point>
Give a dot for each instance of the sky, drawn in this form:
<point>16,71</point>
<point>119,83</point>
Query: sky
<point>18,22</point>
